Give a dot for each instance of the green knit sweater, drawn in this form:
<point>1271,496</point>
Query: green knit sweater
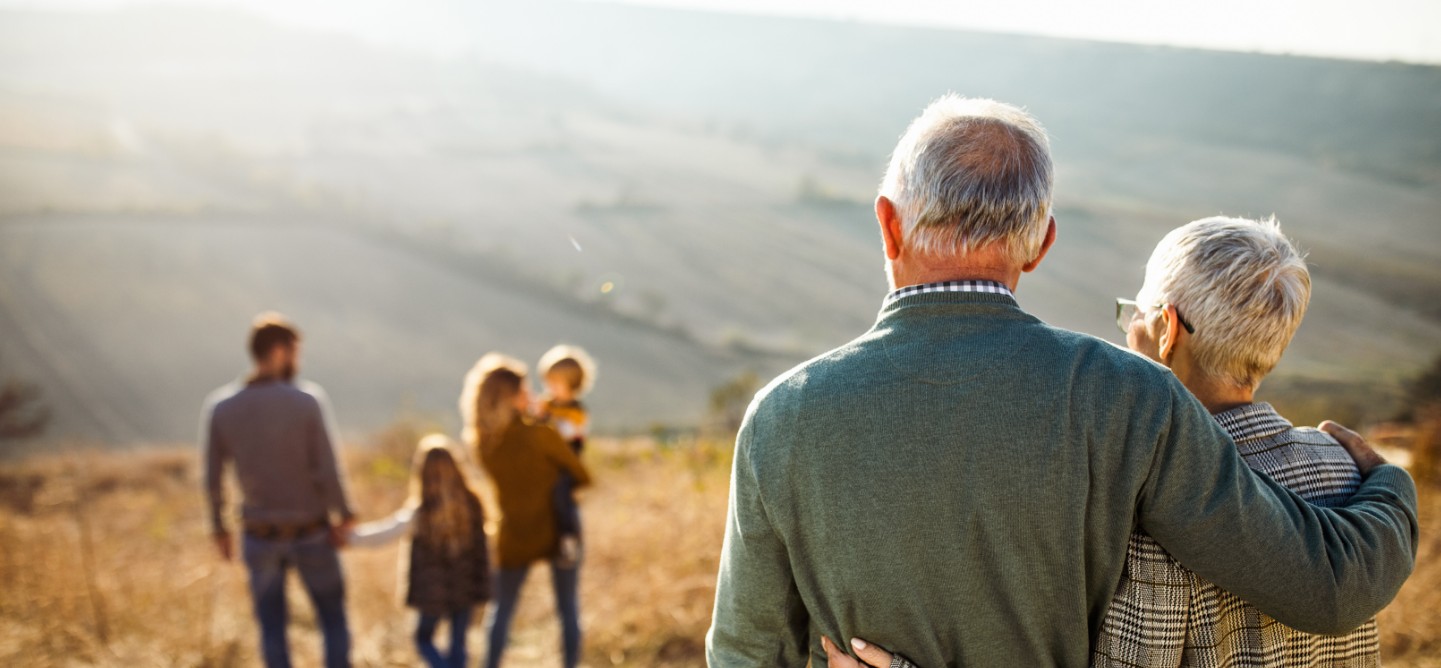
<point>959,483</point>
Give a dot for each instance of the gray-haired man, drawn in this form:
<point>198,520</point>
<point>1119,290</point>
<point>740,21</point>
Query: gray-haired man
<point>962,480</point>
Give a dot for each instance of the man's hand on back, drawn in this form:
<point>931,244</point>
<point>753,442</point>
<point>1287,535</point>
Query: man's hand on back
<point>1366,457</point>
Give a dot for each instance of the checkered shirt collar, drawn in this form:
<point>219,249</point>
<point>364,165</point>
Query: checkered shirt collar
<point>1252,421</point>
<point>991,287</point>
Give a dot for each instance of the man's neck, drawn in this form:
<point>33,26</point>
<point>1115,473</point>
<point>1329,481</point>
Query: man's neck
<point>262,375</point>
<point>920,272</point>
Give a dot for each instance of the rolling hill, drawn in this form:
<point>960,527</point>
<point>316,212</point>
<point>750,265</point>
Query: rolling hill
<point>685,194</point>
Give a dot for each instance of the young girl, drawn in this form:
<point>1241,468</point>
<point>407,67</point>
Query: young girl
<point>448,572</point>
<point>524,461</point>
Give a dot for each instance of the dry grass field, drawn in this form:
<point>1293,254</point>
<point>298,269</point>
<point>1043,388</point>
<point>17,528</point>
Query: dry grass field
<point>104,561</point>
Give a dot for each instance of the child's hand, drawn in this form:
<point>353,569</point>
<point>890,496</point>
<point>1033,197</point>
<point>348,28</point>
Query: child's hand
<point>341,534</point>
<point>225,546</point>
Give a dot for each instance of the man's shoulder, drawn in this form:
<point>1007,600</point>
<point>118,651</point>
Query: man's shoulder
<point>1093,359</point>
<point>310,389</point>
<point>833,361</point>
<point>1081,343</point>
<point>1087,359</point>
<point>223,393</point>
<point>838,372</point>
<point>238,393</point>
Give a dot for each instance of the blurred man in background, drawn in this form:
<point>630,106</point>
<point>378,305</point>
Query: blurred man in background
<point>276,434</point>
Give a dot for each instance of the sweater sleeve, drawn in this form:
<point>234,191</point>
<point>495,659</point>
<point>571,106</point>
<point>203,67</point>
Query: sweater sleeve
<point>216,455</point>
<point>383,532</point>
<point>759,617</point>
<point>324,459</point>
<point>1315,569</point>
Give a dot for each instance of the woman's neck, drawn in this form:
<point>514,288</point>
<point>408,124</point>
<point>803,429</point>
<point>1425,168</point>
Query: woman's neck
<point>1216,394</point>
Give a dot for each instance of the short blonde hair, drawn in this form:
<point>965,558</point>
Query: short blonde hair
<point>1243,286</point>
<point>572,363</point>
<point>969,173</point>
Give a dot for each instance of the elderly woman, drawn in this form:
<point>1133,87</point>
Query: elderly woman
<point>1221,299</point>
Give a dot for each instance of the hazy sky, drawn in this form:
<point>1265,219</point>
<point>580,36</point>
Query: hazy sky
<point>1408,30</point>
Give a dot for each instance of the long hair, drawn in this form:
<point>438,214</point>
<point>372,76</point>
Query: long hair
<point>446,505</point>
<point>487,401</point>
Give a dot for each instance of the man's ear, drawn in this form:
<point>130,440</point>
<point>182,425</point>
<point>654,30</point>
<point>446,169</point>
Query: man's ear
<point>1170,333</point>
<point>1045,247</point>
<point>890,223</point>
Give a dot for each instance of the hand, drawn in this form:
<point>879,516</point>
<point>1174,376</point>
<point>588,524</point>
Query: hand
<point>870,654</point>
<point>1366,457</point>
<point>225,546</point>
<point>340,533</point>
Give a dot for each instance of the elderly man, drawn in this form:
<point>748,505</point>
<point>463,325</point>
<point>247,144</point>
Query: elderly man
<point>962,480</point>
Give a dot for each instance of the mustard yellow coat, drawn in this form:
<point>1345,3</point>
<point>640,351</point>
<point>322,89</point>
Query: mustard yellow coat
<point>524,466</point>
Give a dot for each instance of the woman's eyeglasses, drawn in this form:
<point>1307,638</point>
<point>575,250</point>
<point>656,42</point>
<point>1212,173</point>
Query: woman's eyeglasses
<point>1127,310</point>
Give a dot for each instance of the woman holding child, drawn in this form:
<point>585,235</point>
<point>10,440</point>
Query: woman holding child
<point>525,461</point>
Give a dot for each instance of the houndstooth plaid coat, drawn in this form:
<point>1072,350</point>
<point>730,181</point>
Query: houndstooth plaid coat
<point>1165,615</point>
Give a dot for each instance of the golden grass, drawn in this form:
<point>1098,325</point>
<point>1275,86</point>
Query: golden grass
<point>163,598</point>
<point>153,593</point>
<point>1411,625</point>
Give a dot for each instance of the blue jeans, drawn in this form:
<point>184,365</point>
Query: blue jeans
<point>319,567</point>
<point>567,512</point>
<point>508,582</point>
<point>425,639</point>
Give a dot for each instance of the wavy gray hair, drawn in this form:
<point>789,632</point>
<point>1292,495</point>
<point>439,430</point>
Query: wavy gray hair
<point>972,172</point>
<point>1241,283</point>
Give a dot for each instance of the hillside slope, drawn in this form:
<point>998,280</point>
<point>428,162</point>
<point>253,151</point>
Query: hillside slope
<point>685,194</point>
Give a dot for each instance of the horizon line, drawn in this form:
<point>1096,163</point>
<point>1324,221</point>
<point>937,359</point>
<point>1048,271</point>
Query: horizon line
<point>791,9</point>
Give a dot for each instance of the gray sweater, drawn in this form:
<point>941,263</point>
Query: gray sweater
<point>960,483</point>
<point>277,436</point>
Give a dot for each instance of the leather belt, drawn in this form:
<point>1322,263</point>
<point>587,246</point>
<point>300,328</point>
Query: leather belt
<point>269,531</point>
